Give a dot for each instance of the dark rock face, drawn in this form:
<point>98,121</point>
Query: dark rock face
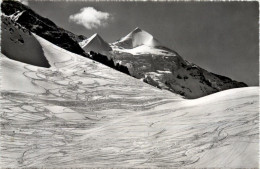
<point>173,73</point>
<point>108,62</point>
<point>43,27</point>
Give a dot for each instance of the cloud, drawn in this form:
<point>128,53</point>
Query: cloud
<point>90,18</point>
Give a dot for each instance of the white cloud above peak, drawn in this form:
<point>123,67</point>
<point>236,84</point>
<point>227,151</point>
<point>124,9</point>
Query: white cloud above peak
<point>90,18</point>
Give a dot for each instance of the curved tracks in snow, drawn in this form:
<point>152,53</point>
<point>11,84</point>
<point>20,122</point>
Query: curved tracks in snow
<point>93,118</point>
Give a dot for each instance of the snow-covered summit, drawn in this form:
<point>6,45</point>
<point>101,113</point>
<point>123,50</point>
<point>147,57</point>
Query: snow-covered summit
<point>95,43</point>
<point>137,38</point>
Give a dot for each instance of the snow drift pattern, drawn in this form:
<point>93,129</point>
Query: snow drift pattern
<point>84,114</point>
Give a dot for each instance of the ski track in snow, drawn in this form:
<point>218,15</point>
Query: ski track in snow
<point>89,118</point>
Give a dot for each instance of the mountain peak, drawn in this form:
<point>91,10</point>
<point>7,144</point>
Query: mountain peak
<point>96,35</point>
<point>96,43</point>
<point>137,38</point>
<point>137,29</point>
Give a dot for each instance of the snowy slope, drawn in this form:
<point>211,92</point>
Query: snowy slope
<point>164,68</point>
<point>142,50</point>
<point>19,44</point>
<point>83,114</point>
<point>15,76</point>
<point>95,43</point>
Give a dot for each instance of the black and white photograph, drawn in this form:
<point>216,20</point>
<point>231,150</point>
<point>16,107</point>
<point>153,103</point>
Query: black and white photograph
<point>129,84</point>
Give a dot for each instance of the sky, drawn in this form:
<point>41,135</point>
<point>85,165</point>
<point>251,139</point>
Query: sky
<point>221,37</point>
